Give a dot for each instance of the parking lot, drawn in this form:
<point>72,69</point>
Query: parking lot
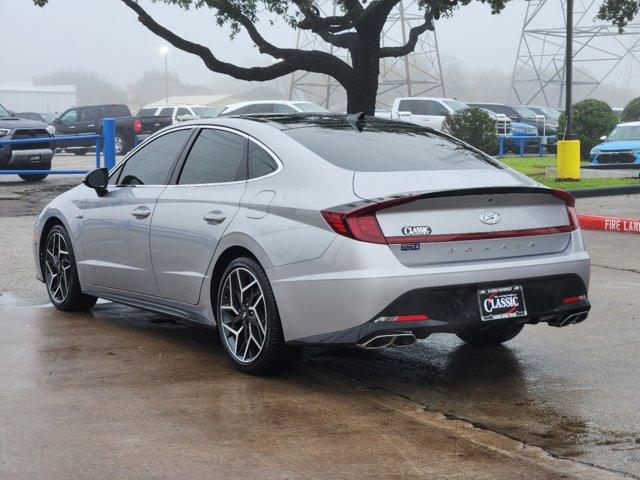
<point>121,393</point>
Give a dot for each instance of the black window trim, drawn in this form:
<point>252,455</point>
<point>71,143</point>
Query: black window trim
<point>180,165</point>
<point>117,170</point>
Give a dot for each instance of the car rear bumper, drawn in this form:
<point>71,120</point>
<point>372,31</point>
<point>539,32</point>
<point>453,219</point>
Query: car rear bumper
<point>356,282</point>
<point>455,308</point>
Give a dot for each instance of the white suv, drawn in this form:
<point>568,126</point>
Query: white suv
<point>178,113</point>
<point>273,106</point>
<point>432,111</point>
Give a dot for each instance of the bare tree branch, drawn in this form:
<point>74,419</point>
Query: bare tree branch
<point>292,59</point>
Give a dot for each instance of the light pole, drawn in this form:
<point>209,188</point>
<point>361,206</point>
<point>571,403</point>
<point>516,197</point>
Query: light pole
<point>568,160</point>
<point>164,51</point>
<point>568,73</point>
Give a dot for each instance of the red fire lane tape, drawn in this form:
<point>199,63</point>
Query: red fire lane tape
<point>610,224</point>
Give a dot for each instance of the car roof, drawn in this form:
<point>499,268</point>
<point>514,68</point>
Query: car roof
<point>629,124</point>
<point>288,121</point>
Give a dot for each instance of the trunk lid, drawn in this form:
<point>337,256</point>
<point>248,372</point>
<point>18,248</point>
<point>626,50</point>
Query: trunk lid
<point>467,216</point>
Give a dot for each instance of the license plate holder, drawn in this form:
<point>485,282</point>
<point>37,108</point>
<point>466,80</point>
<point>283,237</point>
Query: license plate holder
<point>502,302</point>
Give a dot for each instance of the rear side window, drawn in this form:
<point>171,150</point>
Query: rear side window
<point>389,148</point>
<point>416,107</point>
<point>217,156</point>
<point>151,164</point>
<point>260,162</point>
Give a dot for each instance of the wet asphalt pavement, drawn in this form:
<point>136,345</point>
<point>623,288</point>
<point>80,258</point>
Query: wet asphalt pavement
<point>123,393</point>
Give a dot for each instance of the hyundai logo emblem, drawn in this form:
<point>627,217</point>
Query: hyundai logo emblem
<point>490,217</point>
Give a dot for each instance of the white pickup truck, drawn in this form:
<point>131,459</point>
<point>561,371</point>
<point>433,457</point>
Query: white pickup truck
<point>432,111</point>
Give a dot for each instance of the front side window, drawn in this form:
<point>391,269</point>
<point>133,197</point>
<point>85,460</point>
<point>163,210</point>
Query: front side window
<point>3,112</point>
<point>152,163</point>
<point>434,108</point>
<point>386,147</point>
<point>260,162</point>
<point>69,117</point>
<point>182,111</point>
<point>217,156</point>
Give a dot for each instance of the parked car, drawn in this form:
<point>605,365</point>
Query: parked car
<point>551,115</point>
<point>28,156</point>
<point>291,230</point>
<point>432,111</point>
<point>621,146</point>
<point>521,115</point>
<point>178,113</point>
<point>88,121</point>
<point>272,106</point>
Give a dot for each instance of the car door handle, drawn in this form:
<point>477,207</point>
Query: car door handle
<point>215,217</point>
<point>141,213</point>
<point>71,127</point>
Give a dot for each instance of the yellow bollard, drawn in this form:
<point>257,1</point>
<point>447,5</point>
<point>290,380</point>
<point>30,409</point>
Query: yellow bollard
<point>568,161</point>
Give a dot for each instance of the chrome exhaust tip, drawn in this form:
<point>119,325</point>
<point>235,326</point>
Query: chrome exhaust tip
<point>385,340</point>
<point>570,319</point>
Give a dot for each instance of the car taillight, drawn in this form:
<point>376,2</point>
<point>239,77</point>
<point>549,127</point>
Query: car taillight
<point>570,203</point>
<point>137,125</point>
<point>358,220</point>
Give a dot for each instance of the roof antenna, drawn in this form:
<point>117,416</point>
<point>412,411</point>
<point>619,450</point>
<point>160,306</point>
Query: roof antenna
<point>357,120</point>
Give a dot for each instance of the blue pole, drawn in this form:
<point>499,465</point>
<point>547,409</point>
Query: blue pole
<point>98,150</point>
<point>109,141</point>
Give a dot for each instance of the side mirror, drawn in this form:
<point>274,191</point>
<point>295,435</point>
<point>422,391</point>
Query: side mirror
<point>603,138</point>
<point>97,179</point>
<point>56,121</point>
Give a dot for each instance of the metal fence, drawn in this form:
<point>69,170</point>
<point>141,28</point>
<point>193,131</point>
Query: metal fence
<point>105,144</point>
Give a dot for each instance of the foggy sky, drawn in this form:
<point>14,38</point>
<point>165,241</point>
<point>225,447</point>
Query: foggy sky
<point>104,36</point>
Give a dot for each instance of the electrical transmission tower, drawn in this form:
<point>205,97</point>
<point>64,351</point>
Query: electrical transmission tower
<point>599,53</point>
<point>418,73</point>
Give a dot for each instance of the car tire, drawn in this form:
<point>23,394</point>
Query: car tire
<point>248,320</point>
<point>121,145</point>
<point>60,273</point>
<point>490,335</point>
<point>39,177</point>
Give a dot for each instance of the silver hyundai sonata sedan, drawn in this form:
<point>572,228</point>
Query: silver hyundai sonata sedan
<point>285,231</point>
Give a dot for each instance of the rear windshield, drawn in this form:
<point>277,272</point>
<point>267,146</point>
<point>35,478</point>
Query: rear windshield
<point>147,112</point>
<point>389,148</point>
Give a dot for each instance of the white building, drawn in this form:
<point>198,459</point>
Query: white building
<point>26,97</point>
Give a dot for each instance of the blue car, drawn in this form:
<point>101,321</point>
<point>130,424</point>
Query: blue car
<point>621,146</point>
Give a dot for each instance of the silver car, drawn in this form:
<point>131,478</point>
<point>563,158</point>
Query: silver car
<point>287,231</point>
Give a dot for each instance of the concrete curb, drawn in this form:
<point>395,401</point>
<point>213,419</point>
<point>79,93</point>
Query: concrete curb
<point>604,191</point>
<point>610,224</point>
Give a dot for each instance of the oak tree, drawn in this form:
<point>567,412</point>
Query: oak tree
<point>357,27</point>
